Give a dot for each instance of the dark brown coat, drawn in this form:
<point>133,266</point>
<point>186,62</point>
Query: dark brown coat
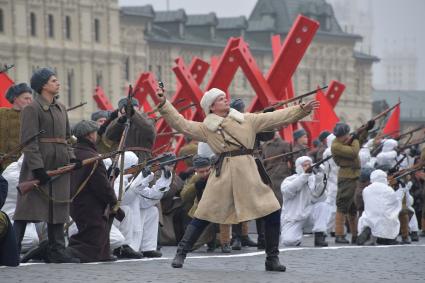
<point>142,133</point>
<point>52,118</point>
<point>278,169</point>
<point>91,243</point>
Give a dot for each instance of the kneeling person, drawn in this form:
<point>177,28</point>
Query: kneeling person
<point>91,243</point>
<point>303,203</point>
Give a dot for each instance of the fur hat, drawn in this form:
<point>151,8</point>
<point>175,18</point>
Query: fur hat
<point>238,105</point>
<point>100,114</point>
<point>40,78</point>
<point>341,129</point>
<point>199,161</point>
<point>123,102</point>
<point>83,128</point>
<point>323,135</point>
<point>299,133</point>
<point>209,98</point>
<point>16,90</point>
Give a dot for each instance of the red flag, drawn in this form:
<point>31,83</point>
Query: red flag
<point>392,127</point>
<point>5,83</point>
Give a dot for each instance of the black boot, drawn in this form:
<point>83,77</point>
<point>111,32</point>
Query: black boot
<point>364,236</point>
<point>190,236</point>
<point>414,236</point>
<point>261,241</point>
<point>37,253</point>
<point>272,248</point>
<point>19,226</point>
<point>152,254</point>
<point>125,251</point>
<point>319,239</point>
<point>56,252</point>
<point>247,242</point>
<point>236,245</point>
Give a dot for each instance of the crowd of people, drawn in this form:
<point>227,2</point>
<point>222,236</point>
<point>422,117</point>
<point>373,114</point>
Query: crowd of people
<point>237,169</point>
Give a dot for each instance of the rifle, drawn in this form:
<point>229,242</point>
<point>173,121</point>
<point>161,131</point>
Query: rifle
<point>121,145</point>
<point>317,164</point>
<point>158,166</point>
<point>27,186</point>
<point>401,148</point>
<point>6,68</point>
<point>135,169</point>
<point>283,155</point>
<point>393,180</point>
<point>76,106</point>
<point>168,134</point>
<point>297,98</point>
<point>20,147</point>
<point>364,126</point>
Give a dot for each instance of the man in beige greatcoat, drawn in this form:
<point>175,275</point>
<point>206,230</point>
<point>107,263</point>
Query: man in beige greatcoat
<point>50,150</point>
<point>234,192</point>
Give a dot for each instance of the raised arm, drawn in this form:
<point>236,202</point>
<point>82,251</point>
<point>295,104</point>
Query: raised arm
<point>195,130</point>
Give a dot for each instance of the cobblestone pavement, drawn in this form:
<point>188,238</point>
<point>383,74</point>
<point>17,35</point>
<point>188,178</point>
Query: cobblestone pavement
<point>337,263</point>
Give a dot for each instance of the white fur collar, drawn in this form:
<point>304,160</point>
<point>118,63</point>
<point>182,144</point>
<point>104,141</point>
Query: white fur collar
<point>213,121</point>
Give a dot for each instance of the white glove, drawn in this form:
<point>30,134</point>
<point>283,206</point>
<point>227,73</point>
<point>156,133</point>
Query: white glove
<point>163,183</point>
<point>144,181</point>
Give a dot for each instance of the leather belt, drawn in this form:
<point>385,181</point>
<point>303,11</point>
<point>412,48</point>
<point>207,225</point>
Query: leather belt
<point>53,140</point>
<point>232,153</point>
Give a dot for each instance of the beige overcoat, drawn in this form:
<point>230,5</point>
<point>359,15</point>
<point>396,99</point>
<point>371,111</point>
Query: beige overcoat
<point>238,194</point>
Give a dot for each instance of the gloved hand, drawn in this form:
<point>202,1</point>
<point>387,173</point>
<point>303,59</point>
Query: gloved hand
<point>122,119</point>
<point>113,115</point>
<point>144,182</point>
<point>131,111</point>
<point>78,163</point>
<point>355,136</point>
<point>41,175</point>
<point>119,215</point>
<point>116,171</point>
<point>164,182</point>
<point>370,124</point>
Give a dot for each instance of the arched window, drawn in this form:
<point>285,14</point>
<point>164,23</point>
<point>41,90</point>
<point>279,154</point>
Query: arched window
<point>1,21</point>
<point>68,27</point>
<point>50,26</point>
<point>96,30</point>
<point>33,24</point>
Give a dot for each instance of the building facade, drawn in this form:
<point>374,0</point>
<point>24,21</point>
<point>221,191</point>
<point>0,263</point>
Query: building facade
<point>96,42</point>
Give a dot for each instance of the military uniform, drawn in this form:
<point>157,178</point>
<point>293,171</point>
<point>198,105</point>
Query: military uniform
<point>9,132</point>
<point>141,136</point>
<point>346,156</point>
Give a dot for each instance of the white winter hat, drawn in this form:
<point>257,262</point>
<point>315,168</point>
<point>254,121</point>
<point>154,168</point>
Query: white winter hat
<point>209,98</point>
<point>299,164</point>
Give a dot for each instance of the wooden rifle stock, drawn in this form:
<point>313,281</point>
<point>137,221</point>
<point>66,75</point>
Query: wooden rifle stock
<point>76,106</point>
<point>27,186</point>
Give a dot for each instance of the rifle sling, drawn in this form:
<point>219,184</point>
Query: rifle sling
<point>80,188</point>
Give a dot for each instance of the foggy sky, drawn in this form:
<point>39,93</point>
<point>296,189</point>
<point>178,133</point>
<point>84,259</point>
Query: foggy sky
<point>398,24</point>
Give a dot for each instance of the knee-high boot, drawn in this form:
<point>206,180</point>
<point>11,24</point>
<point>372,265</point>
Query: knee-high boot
<point>423,226</point>
<point>192,233</point>
<point>261,242</point>
<point>272,233</point>
<point>56,252</point>
<point>19,226</point>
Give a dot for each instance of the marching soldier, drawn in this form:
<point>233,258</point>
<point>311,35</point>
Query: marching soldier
<point>48,152</point>
<point>234,191</point>
<point>19,96</point>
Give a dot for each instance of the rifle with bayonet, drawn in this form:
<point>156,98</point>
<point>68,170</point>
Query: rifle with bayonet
<point>290,100</point>
<point>364,127</point>
<point>76,106</point>
<point>154,165</point>
<point>395,178</point>
<point>14,152</point>
<point>135,169</point>
<point>27,186</point>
